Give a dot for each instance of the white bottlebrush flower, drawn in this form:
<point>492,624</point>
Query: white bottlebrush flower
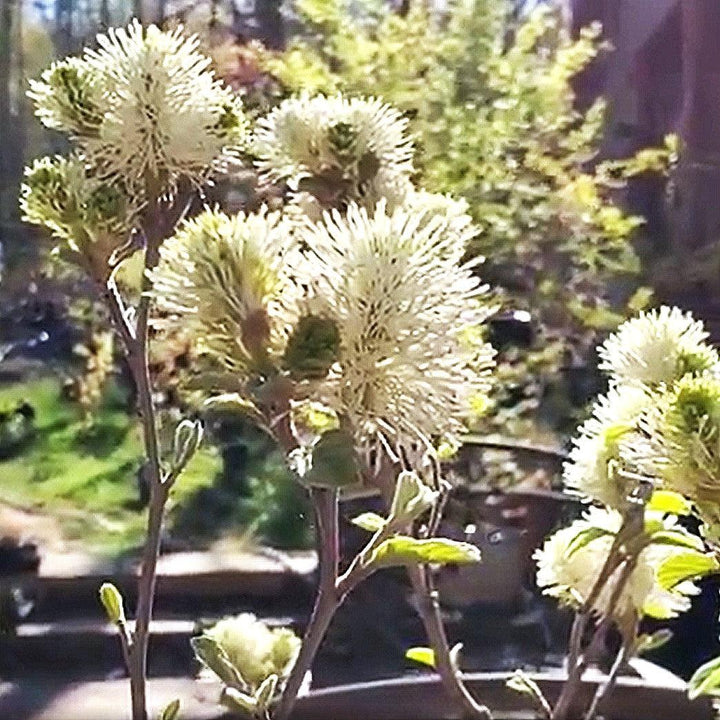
<point>570,576</point>
<point>681,445</point>
<point>410,358</point>
<point>69,97</point>
<point>454,214</point>
<point>150,109</point>
<point>224,280</point>
<point>336,149</point>
<point>595,458</point>
<point>255,650</point>
<point>91,216</point>
<point>658,346</point>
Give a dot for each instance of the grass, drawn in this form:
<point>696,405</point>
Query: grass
<point>85,477</point>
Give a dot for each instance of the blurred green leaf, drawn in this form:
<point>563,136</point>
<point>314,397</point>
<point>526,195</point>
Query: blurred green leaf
<point>670,502</point>
<point>422,655</point>
<point>171,711</point>
<point>372,522</point>
<point>411,499</point>
<point>403,549</point>
<point>264,694</point>
<point>648,643</point>
<point>677,538</point>
<point>705,680</point>
<point>685,566</point>
<point>112,602</point>
<point>210,654</point>
<point>334,462</point>
<point>238,701</point>
<point>585,537</point>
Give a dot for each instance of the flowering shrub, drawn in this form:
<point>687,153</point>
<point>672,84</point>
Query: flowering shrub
<point>348,326</point>
<point>491,103</point>
<point>648,454</point>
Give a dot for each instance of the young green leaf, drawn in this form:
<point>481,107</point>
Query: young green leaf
<point>705,680</point>
<point>677,538</point>
<point>402,550</point>
<point>334,461</point>
<point>585,537</point>
<point>648,643</point>
<point>411,499</point>
<point>422,655</point>
<point>264,694</point>
<point>171,711</point>
<point>666,501</point>
<point>685,566</point>
<point>210,654</point>
<point>237,701</point>
<point>370,521</point>
<point>522,683</point>
<point>188,436</point>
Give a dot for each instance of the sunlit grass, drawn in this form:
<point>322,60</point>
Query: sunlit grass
<point>86,476</point>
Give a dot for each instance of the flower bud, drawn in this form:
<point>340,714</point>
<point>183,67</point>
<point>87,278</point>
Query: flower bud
<point>313,347</point>
<point>112,601</point>
<point>334,462</point>
<point>188,436</point>
<point>411,499</point>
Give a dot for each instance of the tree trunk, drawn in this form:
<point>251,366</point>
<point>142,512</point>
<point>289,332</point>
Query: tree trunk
<point>105,14</point>
<point>270,25</point>
<point>698,177</point>
<point>6,38</point>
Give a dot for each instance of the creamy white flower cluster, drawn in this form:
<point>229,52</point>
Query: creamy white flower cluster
<point>91,216</point>
<point>336,149</point>
<point>359,293</point>
<point>143,107</point>
<point>143,111</point>
<point>372,315</point>
<point>659,423</point>
<point>255,650</point>
<point>648,359</point>
<point>331,151</point>
<point>363,305</point>
<point>569,574</point>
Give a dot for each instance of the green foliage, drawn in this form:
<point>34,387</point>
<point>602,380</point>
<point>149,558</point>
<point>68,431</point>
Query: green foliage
<point>705,680</point>
<point>370,521</point>
<point>685,566</point>
<point>422,655</point>
<point>85,475</point>
<point>171,710</point>
<point>666,501</point>
<point>493,111</point>
<point>647,643</point>
<point>334,462</point>
<point>404,550</point>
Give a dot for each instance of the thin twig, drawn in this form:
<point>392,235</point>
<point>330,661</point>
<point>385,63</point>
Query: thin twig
<point>118,314</point>
<point>329,597</point>
<point>429,609</point>
<point>159,221</point>
<point>577,661</point>
<point>604,689</point>
<point>125,641</point>
<point>327,600</point>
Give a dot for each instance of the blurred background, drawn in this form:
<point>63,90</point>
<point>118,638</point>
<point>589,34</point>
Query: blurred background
<point>583,135</point>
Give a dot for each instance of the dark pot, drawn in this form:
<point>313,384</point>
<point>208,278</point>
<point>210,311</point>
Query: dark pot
<point>654,694</point>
